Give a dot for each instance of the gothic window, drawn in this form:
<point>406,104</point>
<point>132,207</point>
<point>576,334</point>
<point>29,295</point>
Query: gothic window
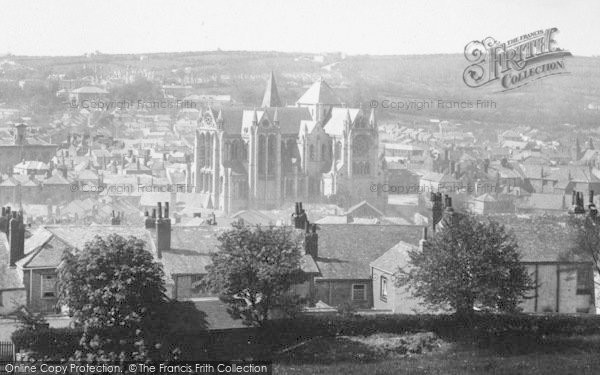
<point>227,150</point>
<point>360,146</point>
<point>323,152</point>
<point>272,154</point>
<point>312,152</point>
<point>338,150</point>
<point>262,150</point>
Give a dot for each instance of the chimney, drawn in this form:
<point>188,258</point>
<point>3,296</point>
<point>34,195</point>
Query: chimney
<point>299,218</point>
<point>311,241</point>
<point>163,230</point>
<point>17,238</point>
<point>148,221</point>
<point>437,208</point>
<point>3,221</point>
<point>577,207</point>
<point>449,214</point>
<point>7,227</point>
<point>423,241</point>
<point>592,206</point>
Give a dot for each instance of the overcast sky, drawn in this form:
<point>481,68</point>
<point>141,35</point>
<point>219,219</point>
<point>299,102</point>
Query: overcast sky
<point>63,27</point>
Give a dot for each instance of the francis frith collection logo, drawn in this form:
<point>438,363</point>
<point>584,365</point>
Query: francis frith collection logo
<point>514,63</point>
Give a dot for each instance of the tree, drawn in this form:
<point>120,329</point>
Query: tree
<point>115,291</point>
<point>467,263</point>
<point>585,232</point>
<point>254,271</point>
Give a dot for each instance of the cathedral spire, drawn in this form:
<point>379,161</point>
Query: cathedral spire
<point>271,97</point>
<point>276,117</point>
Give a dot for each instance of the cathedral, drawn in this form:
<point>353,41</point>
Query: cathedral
<point>262,157</point>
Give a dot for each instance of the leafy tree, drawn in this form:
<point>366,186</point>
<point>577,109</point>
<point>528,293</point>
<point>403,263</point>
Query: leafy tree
<point>115,291</point>
<point>585,231</point>
<point>467,263</point>
<point>254,270</point>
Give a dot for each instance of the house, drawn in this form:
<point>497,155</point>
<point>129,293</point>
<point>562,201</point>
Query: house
<point>183,251</point>
<point>342,253</point>
<point>564,285</point>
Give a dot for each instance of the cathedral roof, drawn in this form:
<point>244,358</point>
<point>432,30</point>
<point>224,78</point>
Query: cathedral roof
<point>320,93</point>
<point>290,118</point>
<point>335,125</point>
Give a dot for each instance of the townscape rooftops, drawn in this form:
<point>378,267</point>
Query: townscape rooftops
<point>345,250</point>
<point>540,238</point>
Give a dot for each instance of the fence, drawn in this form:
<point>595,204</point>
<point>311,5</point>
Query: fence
<point>7,351</point>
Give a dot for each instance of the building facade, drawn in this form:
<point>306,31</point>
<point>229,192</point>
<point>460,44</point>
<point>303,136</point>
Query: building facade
<point>260,158</point>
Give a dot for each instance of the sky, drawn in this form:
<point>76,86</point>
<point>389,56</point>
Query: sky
<point>64,27</point>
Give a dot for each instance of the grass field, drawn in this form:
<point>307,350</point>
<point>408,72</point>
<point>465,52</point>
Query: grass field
<point>556,355</point>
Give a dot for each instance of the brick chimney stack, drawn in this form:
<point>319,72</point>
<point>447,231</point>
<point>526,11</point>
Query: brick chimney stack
<point>163,230</point>
<point>149,221</point>
<point>423,241</point>
<point>449,215</point>
<point>437,209</point>
<point>592,206</point>
<point>16,238</point>
<point>311,240</point>
<point>115,220</point>
<point>3,221</point>
<point>299,218</point>
<point>577,207</point>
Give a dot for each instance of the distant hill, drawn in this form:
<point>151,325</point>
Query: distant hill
<point>549,102</point>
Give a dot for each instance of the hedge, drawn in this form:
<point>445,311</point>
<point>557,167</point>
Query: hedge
<point>484,329</point>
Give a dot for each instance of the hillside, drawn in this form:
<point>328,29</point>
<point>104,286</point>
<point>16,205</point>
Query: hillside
<point>359,79</point>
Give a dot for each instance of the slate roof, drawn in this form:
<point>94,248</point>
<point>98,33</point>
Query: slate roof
<point>395,257</point>
<point>46,246</point>
<point>232,118</point>
<point>290,118</point>
<point>541,238</point>
<point>319,92</point>
<point>367,205</point>
<point>345,250</point>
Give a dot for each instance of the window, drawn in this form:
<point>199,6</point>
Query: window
<point>359,292</point>
<point>584,280</point>
<point>48,286</point>
<point>383,288</point>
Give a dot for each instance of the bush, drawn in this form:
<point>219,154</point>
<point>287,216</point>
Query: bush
<point>482,329</point>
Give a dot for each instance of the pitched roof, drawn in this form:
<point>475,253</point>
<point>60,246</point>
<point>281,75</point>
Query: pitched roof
<point>395,257</point>
<point>364,205</point>
<point>289,118</point>
<point>540,238</point>
<point>319,93</point>
<point>271,97</point>
<point>336,123</point>
<point>345,250</point>
<point>46,248</point>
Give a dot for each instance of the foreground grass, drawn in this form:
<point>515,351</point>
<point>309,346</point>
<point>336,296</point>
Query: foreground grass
<point>459,364</point>
<point>556,355</point>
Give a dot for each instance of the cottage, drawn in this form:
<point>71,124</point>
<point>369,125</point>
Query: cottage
<point>564,285</point>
